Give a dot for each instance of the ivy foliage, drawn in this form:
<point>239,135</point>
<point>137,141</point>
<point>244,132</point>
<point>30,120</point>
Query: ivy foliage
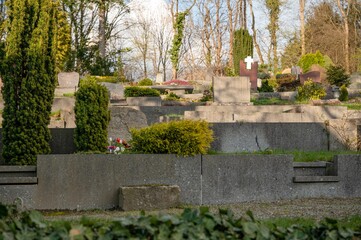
<point>242,47</point>
<point>92,116</point>
<point>184,138</point>
<point>28,73</point>
<point>191,224</point>
<point>177,38</point>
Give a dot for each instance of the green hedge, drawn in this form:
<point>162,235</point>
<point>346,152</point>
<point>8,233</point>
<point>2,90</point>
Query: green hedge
<point>134,91</point>
<point>145,82</point>
<point>92,117</point>
<point>184,138</point>
<point>191,224</point>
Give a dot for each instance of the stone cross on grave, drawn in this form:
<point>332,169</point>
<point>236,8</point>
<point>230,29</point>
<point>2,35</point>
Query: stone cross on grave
<point>248,60</point>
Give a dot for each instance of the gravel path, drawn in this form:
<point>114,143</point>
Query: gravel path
<point>317,209</point>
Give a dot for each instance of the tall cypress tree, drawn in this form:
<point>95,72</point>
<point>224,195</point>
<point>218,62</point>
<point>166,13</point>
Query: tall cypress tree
<point>242,47</point>
<point>29,79</point>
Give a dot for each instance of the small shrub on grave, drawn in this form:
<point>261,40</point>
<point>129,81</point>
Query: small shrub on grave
<point>91,117</point>
<point>145,82</point>
<point>134,91</point>
<point>336,75</point>
<point>263,75</point>
<point>287,82</point>
<point>172,97</point>
<point>184,138</point>
<point>343,94</point>
<point>310,91</point>
<point>265,87</point>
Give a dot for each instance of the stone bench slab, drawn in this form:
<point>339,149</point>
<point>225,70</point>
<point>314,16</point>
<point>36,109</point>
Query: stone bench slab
<point>149,197</point>
<point>18,180</point>
<point>315,179</point>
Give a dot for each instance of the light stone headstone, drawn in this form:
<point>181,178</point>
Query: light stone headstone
<point>116,90</point>
<point>355,80</point>
<point>159,78</point>
<point>68,79</point>
<point>231,90</point>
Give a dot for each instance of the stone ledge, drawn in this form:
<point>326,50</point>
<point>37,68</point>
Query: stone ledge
<point>149,197</point>
<point>18,180</point>
<point>309,164</point>
<point>315,179</point>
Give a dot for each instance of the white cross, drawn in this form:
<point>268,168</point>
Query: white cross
<point>249,61</point>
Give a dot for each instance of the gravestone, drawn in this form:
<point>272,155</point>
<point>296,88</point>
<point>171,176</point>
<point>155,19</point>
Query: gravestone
<point>249,68</point>
<point>355,81</point>
<point>116,91</point>
<point>68,79</point>
<point>315,76</point>
<point>67,83</point>
<point>159,78</point>
<point>231,90</point>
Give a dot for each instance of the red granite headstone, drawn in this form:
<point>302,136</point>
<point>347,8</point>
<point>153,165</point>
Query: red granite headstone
<point>251,73</point>
<point>315,76</point>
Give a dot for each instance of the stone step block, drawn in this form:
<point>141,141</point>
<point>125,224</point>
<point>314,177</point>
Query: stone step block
<point>315,179</point>
<point>18,180</point>
<point>149,197</point>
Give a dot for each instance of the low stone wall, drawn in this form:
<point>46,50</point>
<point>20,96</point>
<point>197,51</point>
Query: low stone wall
<point>94,181</point>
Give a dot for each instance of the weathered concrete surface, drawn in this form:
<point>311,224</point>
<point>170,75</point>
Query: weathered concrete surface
<point>231,90</point>
<point>93,181</point>
<point>122,119</point>
<point>144,101</point>
<point>249,137</point>
<point>240,178</point>
<point>148,197</point>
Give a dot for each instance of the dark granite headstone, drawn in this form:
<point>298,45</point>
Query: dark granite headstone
<point>315,76</point>
<point>251,73</point>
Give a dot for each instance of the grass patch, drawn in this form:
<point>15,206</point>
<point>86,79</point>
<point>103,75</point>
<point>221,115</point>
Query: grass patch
<point>299,156</point>
<point>352,106</point>
<point>271,101</point>
<point>68,94</point>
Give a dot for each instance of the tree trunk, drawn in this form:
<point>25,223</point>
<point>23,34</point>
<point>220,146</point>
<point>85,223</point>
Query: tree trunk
<point>102,23</point>
<point>344,14</point>
<point>231,33</point>
<point>258,49</point>
<point>302,20</point>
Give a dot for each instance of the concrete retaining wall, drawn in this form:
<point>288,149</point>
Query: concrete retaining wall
<point>93,181</point>
<point>249,137</point>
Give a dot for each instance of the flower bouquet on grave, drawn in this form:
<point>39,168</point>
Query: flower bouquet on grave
<point>117,146</point>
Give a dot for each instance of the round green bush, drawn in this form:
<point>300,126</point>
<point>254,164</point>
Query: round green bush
<point>184,138</point>
<point>310,91</point>
<point>343,93</point>
<point>145,82</point>
<point>135,91</point>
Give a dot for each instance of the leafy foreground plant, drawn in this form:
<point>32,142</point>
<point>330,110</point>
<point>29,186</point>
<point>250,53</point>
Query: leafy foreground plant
<point>191,224</point>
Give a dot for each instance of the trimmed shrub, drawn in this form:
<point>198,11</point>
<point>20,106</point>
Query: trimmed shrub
<point>343,93</point>
<point>265,87</point>
<point>287,82</point>
<point>91,117</point>
<point>310,91</point>
<point>336,75</point>
<point>135,91</point>
<point>172,97</point>
<point>263,75</point>
<point>184,138</point>
<point>309,59</point>
<point>145,82</point>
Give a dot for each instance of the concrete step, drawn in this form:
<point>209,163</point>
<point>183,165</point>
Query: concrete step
<point>18,180</point>
<point>315,179</point>
<point>320,168</point>
<point>17,171</point>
